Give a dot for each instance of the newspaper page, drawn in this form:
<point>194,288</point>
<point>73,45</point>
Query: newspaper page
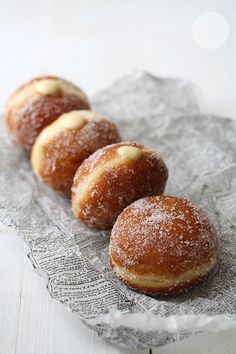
<point>200,152</point>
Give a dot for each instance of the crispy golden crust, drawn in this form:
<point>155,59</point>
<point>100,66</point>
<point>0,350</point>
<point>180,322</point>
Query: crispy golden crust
<point>107,182</point>
<point>55,159</point>
<point>161,245</point>
<point>29,111</point>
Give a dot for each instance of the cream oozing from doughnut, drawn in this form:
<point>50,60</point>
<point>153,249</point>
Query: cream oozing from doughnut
<point>47,86</point>
<point>71,120</point>
<point>129,153</point>
<point>124,154</point>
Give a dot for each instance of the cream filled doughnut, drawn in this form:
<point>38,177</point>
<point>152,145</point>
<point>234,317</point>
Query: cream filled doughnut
<point>162,245</point>
<point>112,178</point>
<point>63,145</point>
<point>37,104</point>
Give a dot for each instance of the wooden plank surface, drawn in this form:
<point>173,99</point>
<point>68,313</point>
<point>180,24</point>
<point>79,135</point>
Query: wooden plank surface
<point>31,322</point>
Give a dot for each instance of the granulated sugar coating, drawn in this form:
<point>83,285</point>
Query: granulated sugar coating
<point>113,178</point>
<point>62,146</point>
<point>37,104</point>
<point>159,113</point>
<point>162,244</point>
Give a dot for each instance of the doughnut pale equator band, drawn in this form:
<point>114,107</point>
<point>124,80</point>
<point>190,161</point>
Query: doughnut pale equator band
<point>91,180</point>
<point>153,281</point>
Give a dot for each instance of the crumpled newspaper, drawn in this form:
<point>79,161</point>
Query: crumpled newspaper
<point>200,152</point>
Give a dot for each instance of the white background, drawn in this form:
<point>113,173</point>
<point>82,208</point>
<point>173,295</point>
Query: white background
<point>92,43</point>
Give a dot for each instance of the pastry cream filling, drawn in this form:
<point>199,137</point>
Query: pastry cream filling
<point>153,281</point>
<point>71,120</point>
<point>129,152</point>
<point>45,87</point>
<point>50,86</point>
<point>123,155</point>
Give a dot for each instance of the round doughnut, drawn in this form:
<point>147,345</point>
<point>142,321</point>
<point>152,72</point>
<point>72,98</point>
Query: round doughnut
<point>162,245</point>
<point>63,145</point>
<point>37,104</point>
<point>112,178</point>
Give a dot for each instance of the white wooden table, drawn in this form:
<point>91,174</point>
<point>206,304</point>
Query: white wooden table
<point>92,43</point>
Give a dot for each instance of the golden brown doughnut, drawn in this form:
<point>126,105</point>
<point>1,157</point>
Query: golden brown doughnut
<point>162,245</point>
<point>63,145</point>
<point>112,178</point>
<point>37,104</point>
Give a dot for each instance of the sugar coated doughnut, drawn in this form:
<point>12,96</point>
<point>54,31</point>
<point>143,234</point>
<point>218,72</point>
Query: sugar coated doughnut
<point>162,245</point>
<point>63,145</point>
<point>112,178</point>
<point>37,104</point>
